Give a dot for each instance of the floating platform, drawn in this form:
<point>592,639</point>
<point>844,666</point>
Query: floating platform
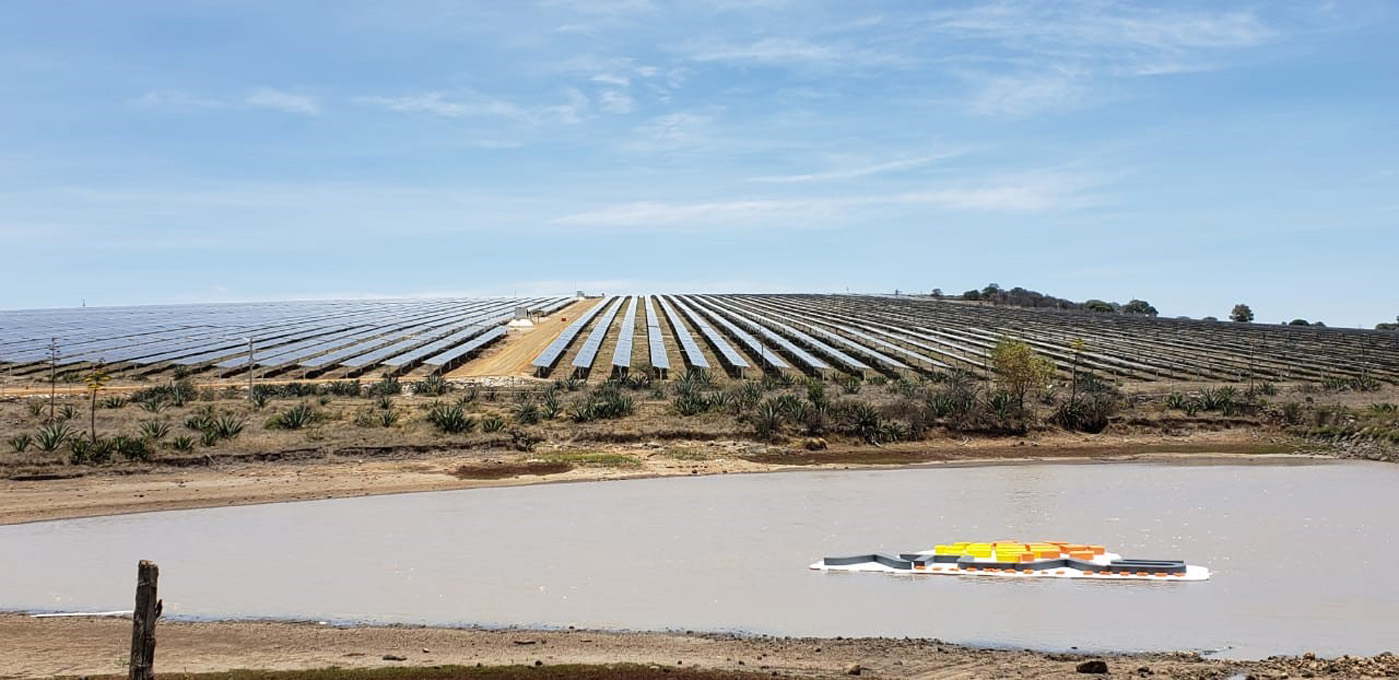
<point>1014,559</point>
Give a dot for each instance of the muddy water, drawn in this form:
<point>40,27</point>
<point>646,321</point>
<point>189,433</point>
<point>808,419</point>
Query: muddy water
<point>1303,555</point>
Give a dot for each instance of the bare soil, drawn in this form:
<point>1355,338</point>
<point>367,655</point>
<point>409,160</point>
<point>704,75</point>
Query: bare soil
<point>43,648</point>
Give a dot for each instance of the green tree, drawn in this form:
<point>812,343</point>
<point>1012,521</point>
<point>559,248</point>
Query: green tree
<point>1242,313</point>
<point>1139,307</point>
<point>1388,326</point>
<point>1098,306</point>
<point>96,379</point>
<point>1298,322</point>
<point>1019,370</point>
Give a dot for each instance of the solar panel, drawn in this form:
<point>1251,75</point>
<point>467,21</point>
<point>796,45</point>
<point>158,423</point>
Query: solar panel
<point>654,338</point>
<point>688,346</point>
<point>551,354</point>
<point>764,353</point>
<point>715,338</point>
<point>621,355</point>
<point>587,354</point>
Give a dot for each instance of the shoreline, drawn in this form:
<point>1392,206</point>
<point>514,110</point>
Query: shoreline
<point>108,492</point>
<point>49,647</point>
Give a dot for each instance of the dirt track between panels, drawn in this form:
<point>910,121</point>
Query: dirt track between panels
<point>513,357</point>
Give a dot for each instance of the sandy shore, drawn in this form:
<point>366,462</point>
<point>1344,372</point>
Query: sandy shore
<point>113,491</point>
<point>41,648</point>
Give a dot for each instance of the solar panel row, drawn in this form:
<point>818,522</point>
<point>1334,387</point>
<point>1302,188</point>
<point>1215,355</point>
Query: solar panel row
<point>654,337</point>
<point>765,354</point>
<point>621,354</point>
<point>551,354</point>
<point>688,347</point>
<point>727,353</point>
<point>587,354</point>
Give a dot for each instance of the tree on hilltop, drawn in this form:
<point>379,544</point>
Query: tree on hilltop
<point>1242,313</point>
<point>1139,307</point>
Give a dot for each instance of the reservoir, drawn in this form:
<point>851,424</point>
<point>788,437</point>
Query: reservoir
<point>1302,553</point>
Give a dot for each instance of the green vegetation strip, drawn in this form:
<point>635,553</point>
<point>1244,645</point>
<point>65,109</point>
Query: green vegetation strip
<point>594,459</point>
<point>573,672</point>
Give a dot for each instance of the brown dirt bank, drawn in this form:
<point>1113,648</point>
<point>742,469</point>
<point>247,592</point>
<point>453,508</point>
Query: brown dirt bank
<point>270,478</point>
<point>42,648</point>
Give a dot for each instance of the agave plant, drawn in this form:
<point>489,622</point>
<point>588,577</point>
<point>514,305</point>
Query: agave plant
<point>293,418</point>
<point>20,442</point>
<point>451,419</point>
<point>767,419</point>
<point>35,407</point>
<point>864,421</point>
<point>492,424</point>
<point>68,412</point>
<point>388,418</point>
<point>132,448</point>
<point>155,430</point>
<point>115,401</point>
<point>432,386</point>
<point>384,402</point>
<point>227,426</point>
<point>583,411</point>
<point>153,404</point>
<point>526,414</point>
<point>52,436</point>
<point>182,443</point>
<point>552,404</point>
<point>209,438</point>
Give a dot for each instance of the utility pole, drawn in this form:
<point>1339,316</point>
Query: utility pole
<point>250,368</point>
<point>53,375</point>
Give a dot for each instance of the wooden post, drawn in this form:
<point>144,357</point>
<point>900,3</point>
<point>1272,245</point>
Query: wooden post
<point>143,622</point>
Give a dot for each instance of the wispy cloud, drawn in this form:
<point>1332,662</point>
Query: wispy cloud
<point>1026,193</point>
<point>174,101</point>
<point>789,51</point>
<point>179,101</point>
<point>616,101</point>
<point>671,131</point>
<point>1026,93</point>
<point>468,104</point>
<point>1050,56</point>
<point>282,100</point>
<point>854,172</point>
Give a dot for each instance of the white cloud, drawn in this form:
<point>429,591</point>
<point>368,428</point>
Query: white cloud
<point>612,79</point>
<point>281,100</point>
<point>789,51</point>
<point>1027,93</point>
<point>476,105</point>
<point>671,131</point>
<point>1027,193</point>
<point>174,100</point>
<point>654,215</point>
<point>614,101</point>
<point>852,173</point>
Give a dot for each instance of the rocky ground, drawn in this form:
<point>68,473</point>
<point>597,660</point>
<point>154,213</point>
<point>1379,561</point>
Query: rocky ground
<point>42,648</point>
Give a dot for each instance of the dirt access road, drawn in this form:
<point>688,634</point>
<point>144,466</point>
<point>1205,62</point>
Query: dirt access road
<point>513,356</point>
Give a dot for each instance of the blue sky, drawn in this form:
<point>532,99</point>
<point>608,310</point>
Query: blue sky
<point>1192,154</point>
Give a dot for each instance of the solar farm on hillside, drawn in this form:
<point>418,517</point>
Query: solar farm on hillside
<point>817,335</point>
